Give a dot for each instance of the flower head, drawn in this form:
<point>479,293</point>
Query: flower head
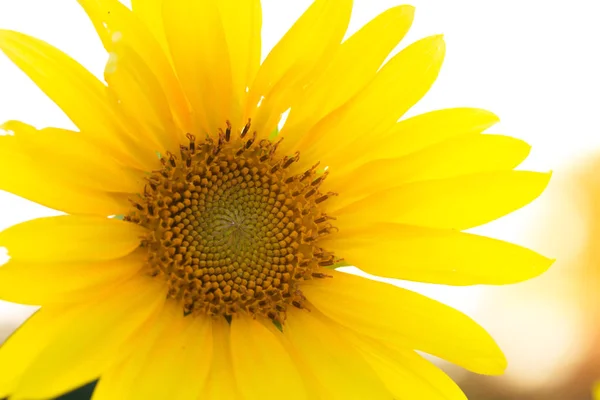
<point>198,254</point>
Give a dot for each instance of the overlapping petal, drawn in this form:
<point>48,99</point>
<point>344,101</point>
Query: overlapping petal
<point>406,374</point>
<point>171,359</point>
<point>219,383</point>
<point>399,84</point>
<point>24,345</point>
<point>417,133</point>
<point>150,13</point>
<point>140,95</point>
<point>120,379</point>
<point>81,96</point>
<point>101,328</point>
<point>69,157</point>
<point>26,176</point>
<point>180,362</point>
<point>463,155</point>
<point>454,203</point>
<point>261,364</point>
<point>198,46</point>
<point>71,238</point>
<point>346,74</point>
<point>436,255</point>
<point>242,23</point>
<point>71,282</point>
<point>296,60</point>
<point>117,25</point>
<point>339,371</point>
<point>405,319</point>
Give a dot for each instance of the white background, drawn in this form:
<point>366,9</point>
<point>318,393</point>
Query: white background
<point>535,63</point>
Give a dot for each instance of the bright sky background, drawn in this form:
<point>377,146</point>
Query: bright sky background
<point>535,63</point>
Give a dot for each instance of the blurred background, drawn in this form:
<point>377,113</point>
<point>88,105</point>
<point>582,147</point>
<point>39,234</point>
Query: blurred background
<point>535,63</point>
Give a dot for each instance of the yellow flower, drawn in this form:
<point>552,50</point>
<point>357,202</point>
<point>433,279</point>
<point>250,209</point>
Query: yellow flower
<point>219,280</point>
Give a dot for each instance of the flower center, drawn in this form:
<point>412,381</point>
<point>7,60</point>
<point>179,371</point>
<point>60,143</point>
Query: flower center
<point>231,229</point>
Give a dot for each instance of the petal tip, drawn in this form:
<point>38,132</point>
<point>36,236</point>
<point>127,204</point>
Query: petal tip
<point>439,44</point>
<point>493,364</point>
<point>494,118</point>
<point>407,10</point>
<point>543,179</point>
<point>497,367</point>
<point>438,38</point>
<point>547,176</point>
<point>5,35</point>
<point>545,266</point>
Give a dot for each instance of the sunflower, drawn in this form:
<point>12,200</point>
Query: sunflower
<point>198,252</point>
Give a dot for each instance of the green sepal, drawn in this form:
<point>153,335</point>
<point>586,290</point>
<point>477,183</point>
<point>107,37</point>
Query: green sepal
<point>278,325</point>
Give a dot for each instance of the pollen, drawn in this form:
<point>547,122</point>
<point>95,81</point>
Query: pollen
<point>231,229</point>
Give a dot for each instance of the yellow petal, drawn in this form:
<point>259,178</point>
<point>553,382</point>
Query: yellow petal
<point>71,157</point>
<point>199,50</point>
<point>116,24</point>
<point>312,387</point>
<point>340,371</point>
<point>421,131</point>
<point>454,203</point>
<point>76,91</point>
<point>36,181</point>
<point>337,83</point>
<point>179,363</point>
<point>150,12</point>
<point>141,96</point>
<point>70,238</point>
<point>256,354</point>
<point>406,374</point>
<point>42,283</point>
<point>90,342</point>
<point>24,345</point>
<point>221,382</point>
<point>294,61</point>
<point>467,154</point>
<point>417,133</point>
<point>435,255</point>
<point>242,22</point>
<point>399,84</point>
<point>121,379</point>
<point>405,319</point>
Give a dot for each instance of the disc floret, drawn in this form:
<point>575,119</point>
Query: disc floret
<point>231,229</point>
